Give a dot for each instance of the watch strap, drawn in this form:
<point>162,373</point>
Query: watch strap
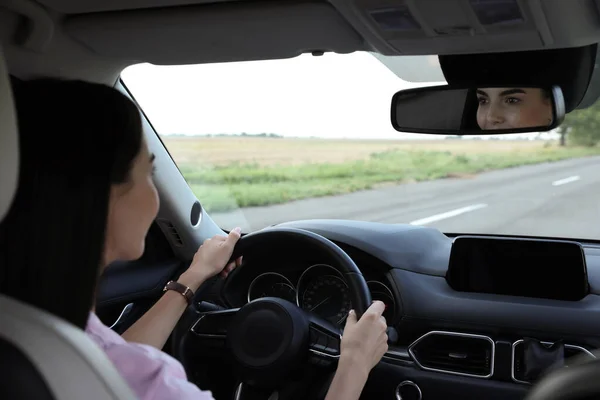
<point>185,291</point>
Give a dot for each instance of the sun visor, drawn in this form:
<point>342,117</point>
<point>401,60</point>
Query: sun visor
<point>570,68</point>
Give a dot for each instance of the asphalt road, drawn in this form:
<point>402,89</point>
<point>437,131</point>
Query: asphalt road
<point>560,199</point>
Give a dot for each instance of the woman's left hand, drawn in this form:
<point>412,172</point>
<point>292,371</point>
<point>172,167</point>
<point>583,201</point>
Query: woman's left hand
<point>211,259</point>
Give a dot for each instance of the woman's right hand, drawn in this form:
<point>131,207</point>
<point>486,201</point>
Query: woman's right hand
<point>211,259</point>
<point>364,341</point>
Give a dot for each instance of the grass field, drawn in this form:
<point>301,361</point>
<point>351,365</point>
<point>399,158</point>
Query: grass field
<point>230,172</point>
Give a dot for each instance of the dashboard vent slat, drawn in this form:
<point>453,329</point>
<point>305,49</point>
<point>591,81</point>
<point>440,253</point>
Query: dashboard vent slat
<point>170,230</point>
<point>455,353</point>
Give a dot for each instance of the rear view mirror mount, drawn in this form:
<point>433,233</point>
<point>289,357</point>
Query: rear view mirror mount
<point>481,110</point>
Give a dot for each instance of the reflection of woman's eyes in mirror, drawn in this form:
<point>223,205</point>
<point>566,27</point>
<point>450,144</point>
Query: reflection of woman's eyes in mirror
<point>512,100</point>
<point>482,100</point>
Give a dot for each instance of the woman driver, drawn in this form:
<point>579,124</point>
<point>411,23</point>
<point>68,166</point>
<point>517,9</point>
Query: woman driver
<point>513,108</point>
<point>86,198</point>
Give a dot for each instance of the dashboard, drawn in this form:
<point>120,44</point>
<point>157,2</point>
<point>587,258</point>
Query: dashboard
<point>451,343</point>
<point>319,289</point>
<point>314,286</point>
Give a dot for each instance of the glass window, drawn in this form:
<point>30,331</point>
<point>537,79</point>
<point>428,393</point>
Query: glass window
<point>265,142</point>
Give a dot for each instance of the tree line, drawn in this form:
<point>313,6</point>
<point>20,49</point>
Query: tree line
<point>581,127</point>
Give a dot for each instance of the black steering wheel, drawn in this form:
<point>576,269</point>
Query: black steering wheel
<point>578,381</point>
<point>274,345</point>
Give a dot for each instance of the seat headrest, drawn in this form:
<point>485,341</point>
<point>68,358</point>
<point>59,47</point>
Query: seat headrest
<point>9,150</point>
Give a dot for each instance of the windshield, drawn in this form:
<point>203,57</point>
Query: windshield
<point>265,142</point>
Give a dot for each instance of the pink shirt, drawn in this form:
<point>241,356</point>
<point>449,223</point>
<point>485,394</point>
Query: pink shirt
<point>151,373</point>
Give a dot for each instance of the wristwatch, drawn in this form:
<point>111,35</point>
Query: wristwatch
<point>185,291</point>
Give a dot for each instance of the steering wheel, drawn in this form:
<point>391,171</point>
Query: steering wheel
<point>578,381</point>
<point>275,345</point>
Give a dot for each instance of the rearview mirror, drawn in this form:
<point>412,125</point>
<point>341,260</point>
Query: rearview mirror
<point>451,110</point>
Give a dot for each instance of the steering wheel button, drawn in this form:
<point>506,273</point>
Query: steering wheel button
<point>318,340</point>
<point>333,348</point>
<point>319,347</point>
<point>325,362</point>
<point>313,336</point>
<point>213,324</point>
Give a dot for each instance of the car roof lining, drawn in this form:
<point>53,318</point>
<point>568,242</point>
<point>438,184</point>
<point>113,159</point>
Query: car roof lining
<point>95,6</point>
<point>97,39</point>
<point>217,32</point>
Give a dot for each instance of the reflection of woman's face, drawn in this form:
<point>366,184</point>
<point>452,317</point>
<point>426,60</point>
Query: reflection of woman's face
<point>513,108</point>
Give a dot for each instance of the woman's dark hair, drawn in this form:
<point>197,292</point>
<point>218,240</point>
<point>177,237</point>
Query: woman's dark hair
<point>547,93</point>
<point>76,139</point>
<point>469,117</point>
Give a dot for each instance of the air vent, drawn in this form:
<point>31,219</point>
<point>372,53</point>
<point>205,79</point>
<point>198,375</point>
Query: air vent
<point>171,231</point>
<point>572,352</point>
<point>455,353</point>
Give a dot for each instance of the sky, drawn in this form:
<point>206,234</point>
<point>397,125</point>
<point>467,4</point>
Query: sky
<point>330,96</point>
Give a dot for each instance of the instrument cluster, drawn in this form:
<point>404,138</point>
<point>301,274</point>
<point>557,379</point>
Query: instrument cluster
<point>319,289</point>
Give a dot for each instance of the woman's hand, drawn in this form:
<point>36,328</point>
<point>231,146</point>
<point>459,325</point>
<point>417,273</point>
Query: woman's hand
<point>154,327</point>
<point>211,259</point>
<point>364,342</point>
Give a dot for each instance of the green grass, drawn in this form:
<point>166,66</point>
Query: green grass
<point>236,185</point>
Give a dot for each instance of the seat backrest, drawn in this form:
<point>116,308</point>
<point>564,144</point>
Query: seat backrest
<point>9,154</point>
<point>70,364</point>
<point>41,356</point>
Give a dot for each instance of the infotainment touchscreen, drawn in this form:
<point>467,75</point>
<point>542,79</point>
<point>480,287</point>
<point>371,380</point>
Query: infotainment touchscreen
<point>548,269</point>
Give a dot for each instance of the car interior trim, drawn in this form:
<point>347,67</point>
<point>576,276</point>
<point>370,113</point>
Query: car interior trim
<point>518,342</point>
<point>459,334</point>
<point>265,274</point>
<point>419,393</point>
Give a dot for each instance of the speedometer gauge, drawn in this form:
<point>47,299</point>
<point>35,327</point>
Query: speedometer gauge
<point>271,284</point>
<point>328,297</point>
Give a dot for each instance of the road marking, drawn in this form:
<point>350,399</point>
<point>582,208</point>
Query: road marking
<point>448,214</point>
<point>566,180</point>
